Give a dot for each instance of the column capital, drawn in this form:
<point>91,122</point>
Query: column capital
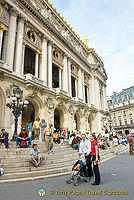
<point>50,42</point>
<point>2,29</point>
<point>45,38</point>
<point>21,18</point>
<point>38,53</point>
<point>60,68</point>
<point>65,55</point>
<point>24,44</point>
<point>14,12</point>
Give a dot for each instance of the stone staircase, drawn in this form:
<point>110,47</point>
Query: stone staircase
<point>17,167</point>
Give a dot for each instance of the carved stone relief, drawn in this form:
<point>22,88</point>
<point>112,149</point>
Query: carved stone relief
<point>50,103</point>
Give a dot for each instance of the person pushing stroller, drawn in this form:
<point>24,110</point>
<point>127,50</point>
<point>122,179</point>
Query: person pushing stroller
<point>85,148</point>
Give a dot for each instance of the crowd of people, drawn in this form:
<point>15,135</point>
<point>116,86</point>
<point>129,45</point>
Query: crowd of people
<point>87,144</point>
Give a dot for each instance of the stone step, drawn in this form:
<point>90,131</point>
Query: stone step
<point>36,173</point>
<point>49,158</point>
<point>26,161</point>
<point>29,167</point>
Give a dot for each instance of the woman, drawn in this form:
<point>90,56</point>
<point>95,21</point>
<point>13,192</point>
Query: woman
<point>95,158</point>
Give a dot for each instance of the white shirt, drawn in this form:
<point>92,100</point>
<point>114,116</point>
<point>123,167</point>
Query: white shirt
<point>85,147</point>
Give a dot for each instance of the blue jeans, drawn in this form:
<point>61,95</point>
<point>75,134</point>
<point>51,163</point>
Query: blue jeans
<point>18,140</point>
<point>41,161</point>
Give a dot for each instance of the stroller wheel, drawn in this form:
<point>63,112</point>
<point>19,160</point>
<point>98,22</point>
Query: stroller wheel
<point>76,183</point>
<point>68,181</point>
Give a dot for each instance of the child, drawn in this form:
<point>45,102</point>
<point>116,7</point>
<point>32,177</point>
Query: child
<point>76,169</point>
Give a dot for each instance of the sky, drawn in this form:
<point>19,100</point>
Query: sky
<point>109,27</point>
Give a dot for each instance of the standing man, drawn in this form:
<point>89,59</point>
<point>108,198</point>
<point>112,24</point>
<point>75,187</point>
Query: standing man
<point>85,148</point>
<point>130,141</point>
<point>36,127</point>
<point>43,125</point>
<point>95,158</point>
<point>48,134</point>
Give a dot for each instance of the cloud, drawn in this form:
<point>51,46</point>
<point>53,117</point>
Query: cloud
<point>109,26</point>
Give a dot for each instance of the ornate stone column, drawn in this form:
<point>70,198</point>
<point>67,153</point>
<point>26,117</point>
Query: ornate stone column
<point>60,79</point>
<point>1,39</point>
<point>37,65</point>
<point>92,90</point>
<point>19,46</point>
<point>76,87</point>
<point>23,56</point>
<point>97,93</point>
<point>65,77</point>
<point>50,64</point>
<point>69,78</point>
<point>80,85</point>
<point>11,38</point>
<point>4,46</point>
<point>83,88</point>
<point>105,97</point>
<point>88,95</point>
<point>43,65</point>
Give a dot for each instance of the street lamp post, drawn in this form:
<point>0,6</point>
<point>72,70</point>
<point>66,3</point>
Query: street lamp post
<point>14,102</point>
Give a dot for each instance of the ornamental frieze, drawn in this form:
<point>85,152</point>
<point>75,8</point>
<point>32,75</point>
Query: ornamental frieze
<point>59,25</point>
<point>4,14</point>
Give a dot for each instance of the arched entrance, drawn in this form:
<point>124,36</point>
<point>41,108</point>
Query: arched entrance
<point>77,121</point>
<point>28,115</point>
<point>59,118</point>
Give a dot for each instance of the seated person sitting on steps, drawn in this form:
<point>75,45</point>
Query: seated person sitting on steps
<point>36,159</point>
<point>23,136</point>
<point>4,138</point>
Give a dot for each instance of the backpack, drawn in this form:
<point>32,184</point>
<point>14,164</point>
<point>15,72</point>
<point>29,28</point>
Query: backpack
<point>23,144</point>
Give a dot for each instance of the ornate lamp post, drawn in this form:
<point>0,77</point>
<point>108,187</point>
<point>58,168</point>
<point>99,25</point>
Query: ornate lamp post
<point>14,102</point>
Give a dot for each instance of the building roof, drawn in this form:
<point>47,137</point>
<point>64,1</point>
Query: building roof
<point>124,95</point>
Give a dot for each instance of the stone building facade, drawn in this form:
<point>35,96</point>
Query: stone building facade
<point>63,80</point>
<point>121,108</point>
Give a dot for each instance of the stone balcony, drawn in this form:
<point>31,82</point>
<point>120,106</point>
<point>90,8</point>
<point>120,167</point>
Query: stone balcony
<point>4,67</point>
<point>31,78</point>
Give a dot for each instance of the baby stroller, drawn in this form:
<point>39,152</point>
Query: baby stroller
<point>78,172</point>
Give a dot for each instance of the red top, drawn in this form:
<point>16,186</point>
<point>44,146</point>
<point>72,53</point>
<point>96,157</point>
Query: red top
<point>23,135</point>
<point>93,144</point>
<point>130,139</point>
